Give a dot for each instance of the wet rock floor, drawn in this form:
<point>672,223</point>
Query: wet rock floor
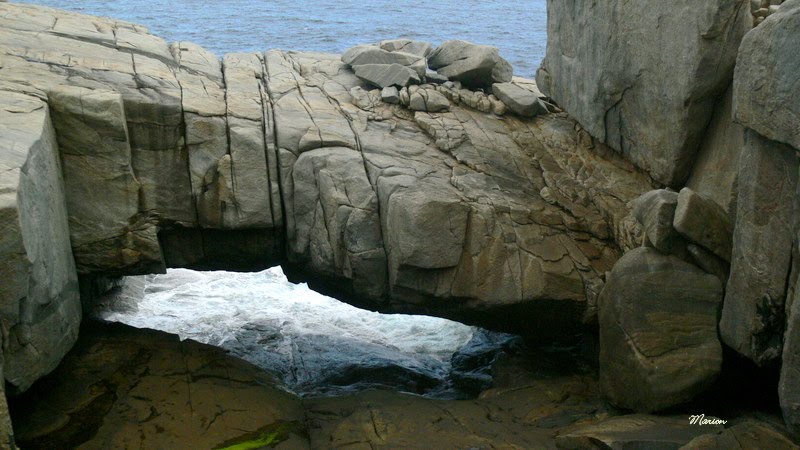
<point>122,387</point>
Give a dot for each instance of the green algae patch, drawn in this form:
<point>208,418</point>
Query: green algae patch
<point>267,436</point>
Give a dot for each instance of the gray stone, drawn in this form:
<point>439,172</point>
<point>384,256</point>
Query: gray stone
<point>371,54</point>
<point>474,65</point>
<point>39,302</point>
<point>384,75</point>
<point>432,76</point>
<point>102,193</point>
<point>637,431</point>
<point>658,331</point>
<point>519,100</point>
<point>753,312</point>
<point>702,221</point>
<point>716,170</point>
<point>620,92</point>
<point>765,88</point>
<point>428,100</point>
<point>337,230</point>
<point>418,48</point>
<point>390,95</point>
<point>655,210</point>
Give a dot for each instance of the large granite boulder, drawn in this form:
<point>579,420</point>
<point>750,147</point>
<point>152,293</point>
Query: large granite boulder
<point>658,331</point>
<point>765,84</point>
<point>472,64</point>
<point>649,89</point>
<point>753,315</point>
<point>39,303</point>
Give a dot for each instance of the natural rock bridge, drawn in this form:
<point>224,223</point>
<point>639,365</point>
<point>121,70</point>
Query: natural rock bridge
<point>125,155</point>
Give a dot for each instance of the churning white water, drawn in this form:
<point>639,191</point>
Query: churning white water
<point>313,343</point>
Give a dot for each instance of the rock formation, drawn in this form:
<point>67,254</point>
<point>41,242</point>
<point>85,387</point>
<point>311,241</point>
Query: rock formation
<point>643,77</point>
<point>171,157</point>
<point>462,192</point>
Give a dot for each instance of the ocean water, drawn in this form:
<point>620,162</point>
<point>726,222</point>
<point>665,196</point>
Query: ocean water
<point>313,344</point>
<point>517,27</point>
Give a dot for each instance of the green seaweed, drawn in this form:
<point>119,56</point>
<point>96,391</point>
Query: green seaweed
<point>267,436</point>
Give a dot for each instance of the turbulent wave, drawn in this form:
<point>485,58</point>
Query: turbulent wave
<point>313,343</point>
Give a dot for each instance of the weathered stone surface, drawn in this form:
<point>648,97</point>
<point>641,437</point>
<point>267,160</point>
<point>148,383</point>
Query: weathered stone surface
<point>765,84</point>
<point>749,434</point>
<point>524,248</point>
<point>474,65</point>
<point>634,431</point>
<point>337,229</point>
<point>418,48</point>
<point>619,91</point>
<point>102,193</point>
<point>702,221</point>
<point>428,100</point>
<point>519,100</point>
<point>371,54</point>
<point>204,106</point>
<point>251,205</point>
<point>540,213</point>
<point>384,75</point>
<point>655,210</point>
<point>391,95</point>
<point>123,387</point>
<point>41,51</point>
<point>39,302</point>
<point>709,262</point>
<point>789,385</point>
<point>753,312</point>
<point>658,338</point>
<point>716,170</point>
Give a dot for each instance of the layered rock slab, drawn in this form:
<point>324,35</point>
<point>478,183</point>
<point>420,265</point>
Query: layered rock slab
<point>620,91</point>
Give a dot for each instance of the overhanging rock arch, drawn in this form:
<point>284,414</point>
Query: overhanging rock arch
<point>125,155</point>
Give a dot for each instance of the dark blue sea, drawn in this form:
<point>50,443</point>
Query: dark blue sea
<point>517,27</point>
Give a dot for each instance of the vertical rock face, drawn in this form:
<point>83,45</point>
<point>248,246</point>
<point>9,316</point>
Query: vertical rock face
<point>39,301</point>
<point>763,287</point>
<point>765,86</point>
<point>752,316</point>
<point>658,338</point>
<point>614,67</point>
<point>716,171</point>
<point>102,193</point>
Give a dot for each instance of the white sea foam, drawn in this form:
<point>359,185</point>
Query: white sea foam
<point>299,334</point>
